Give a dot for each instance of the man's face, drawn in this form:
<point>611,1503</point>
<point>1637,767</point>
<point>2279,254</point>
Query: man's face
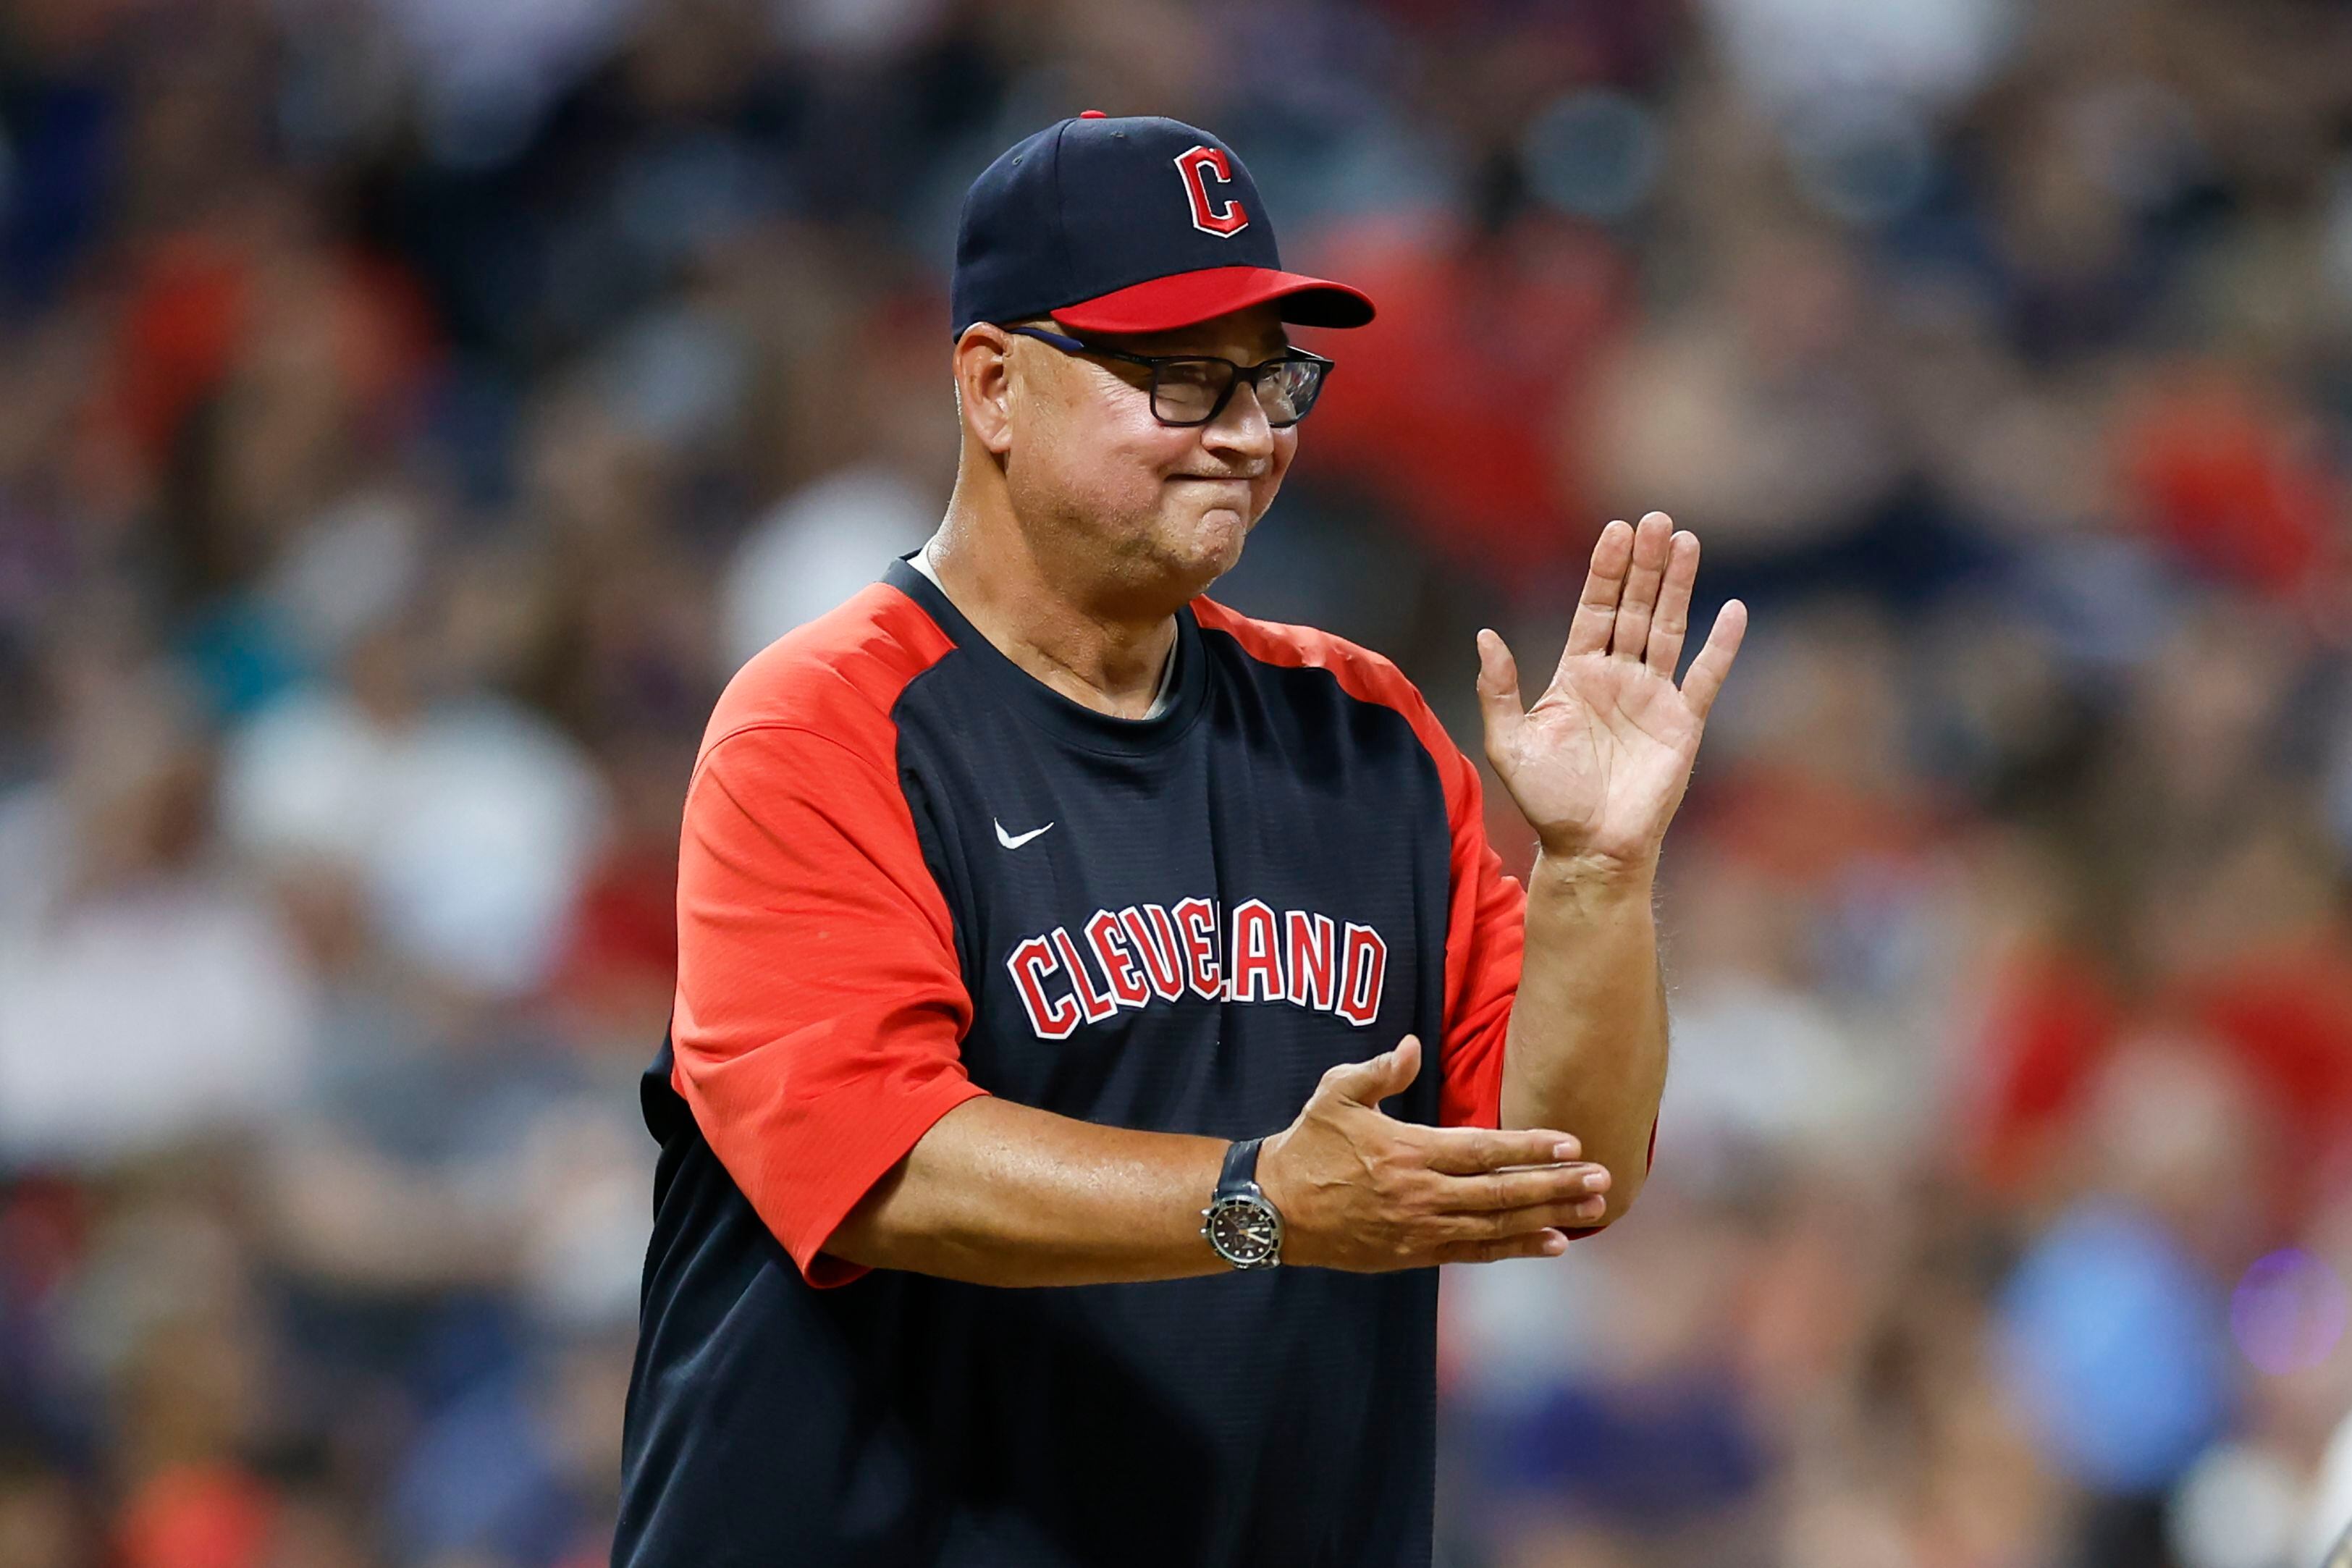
<point>1154,505</point>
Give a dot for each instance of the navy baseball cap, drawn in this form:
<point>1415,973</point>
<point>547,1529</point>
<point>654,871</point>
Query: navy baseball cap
<point>1135,225</point>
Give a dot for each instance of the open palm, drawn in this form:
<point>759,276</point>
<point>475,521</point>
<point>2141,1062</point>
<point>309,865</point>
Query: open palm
<point>1600,763</point>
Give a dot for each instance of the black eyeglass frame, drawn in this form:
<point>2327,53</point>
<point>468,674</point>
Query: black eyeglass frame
<point>1237,374</point>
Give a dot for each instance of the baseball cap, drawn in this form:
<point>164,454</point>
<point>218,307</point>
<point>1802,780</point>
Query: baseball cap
<point>1127,225</point>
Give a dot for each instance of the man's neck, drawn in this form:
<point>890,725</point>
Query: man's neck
<point>1117,665</point>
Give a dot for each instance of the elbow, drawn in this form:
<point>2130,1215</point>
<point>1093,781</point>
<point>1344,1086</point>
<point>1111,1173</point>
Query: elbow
<point>1624,1189</point>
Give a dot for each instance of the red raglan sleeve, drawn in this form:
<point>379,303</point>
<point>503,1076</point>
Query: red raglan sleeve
<point>1486,932</point>
<point>820,1004</point>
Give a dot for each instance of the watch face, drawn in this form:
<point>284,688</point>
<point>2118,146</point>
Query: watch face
<point>1245,1230</point>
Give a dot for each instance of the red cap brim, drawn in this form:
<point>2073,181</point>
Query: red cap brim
<point>1181,299</point>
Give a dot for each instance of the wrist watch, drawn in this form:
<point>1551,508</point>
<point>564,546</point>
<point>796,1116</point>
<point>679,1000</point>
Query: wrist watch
<point>1245,1228</point>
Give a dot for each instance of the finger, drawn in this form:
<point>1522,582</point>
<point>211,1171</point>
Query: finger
<point>1671,621</point>
<point>1498,693</point>
<point>1474,1151</point>
<point>1496,1190</point>
<point>1652,540</point>
<point>1502,1224</point>
<point>1536,1244</point>
<point>1370,1082</point>
<point>1596,607</point>
<point>1713,661</point>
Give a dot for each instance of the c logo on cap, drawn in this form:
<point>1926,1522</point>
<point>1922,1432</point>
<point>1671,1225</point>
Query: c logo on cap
<point>1225,220</point>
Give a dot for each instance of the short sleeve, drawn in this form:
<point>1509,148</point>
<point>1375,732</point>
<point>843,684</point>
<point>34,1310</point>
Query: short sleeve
<point>820,1004</point>
<point>1486,932</point>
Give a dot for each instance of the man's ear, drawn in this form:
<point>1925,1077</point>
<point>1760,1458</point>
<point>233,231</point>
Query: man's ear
<point>983,382</point>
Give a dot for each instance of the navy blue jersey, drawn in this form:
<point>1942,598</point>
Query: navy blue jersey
<point>911,873</point>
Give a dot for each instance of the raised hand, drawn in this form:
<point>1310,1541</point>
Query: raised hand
<point>1359,1190</point>
<point>1600,761</point>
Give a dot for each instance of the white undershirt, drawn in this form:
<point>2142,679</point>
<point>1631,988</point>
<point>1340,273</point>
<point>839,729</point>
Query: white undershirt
<point>921,562</point>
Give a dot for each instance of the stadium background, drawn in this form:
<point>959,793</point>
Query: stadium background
<point>412,410</point>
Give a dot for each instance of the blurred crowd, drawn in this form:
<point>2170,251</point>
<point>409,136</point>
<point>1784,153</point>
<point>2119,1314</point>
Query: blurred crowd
<point>411,411</point>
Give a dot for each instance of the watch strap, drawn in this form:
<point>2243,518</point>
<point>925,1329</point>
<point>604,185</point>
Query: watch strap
<point>1239,1177</point>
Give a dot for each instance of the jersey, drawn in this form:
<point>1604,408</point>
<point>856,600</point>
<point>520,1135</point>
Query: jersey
<point>911,873</point>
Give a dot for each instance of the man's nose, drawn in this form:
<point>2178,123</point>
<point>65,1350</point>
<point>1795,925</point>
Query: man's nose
<point>1242,427</point>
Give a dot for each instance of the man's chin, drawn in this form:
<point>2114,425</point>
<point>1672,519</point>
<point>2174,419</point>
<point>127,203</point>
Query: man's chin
<point>1211,546</point>
<point>1178,557</point>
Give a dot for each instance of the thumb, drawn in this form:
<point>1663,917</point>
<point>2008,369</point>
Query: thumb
<point>1370,1082</point>
<point>1498,692</point>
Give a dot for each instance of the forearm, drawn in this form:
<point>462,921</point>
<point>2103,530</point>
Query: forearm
<point>1002,1193</point>
<point>1587,1049</point>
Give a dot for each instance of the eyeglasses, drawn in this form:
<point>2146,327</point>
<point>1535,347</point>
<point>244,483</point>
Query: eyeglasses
<point>1194,389</point>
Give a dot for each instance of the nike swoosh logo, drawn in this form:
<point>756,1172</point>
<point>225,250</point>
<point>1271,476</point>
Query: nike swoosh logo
<point>1015,840</point>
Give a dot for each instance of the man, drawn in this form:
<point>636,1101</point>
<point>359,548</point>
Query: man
<point>1044,923</point>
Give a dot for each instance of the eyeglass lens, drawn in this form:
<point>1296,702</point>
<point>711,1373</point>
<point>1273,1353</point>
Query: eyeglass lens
<point>1188,390</point>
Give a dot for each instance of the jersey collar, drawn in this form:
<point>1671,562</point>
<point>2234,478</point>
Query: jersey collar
<point>1071,721</point>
